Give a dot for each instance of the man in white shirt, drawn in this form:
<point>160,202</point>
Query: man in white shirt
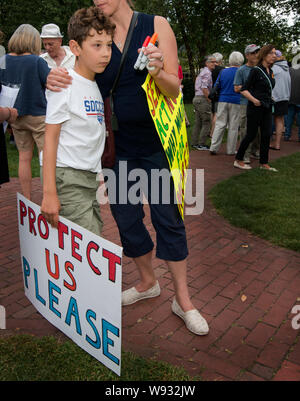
<point>56,55</point>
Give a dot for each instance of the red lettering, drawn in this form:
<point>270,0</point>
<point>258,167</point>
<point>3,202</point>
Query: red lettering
<point>92,246</point>
<point>169,103</point>
<point>151,100</point>
<point>75,245</point>
<point>41,218</point>
<point>31,218</point>
<point>62,229</point>
<point>48,264</point>
<point>23,211</point>
<point>154,99</point>
<point>69,266</point>
<point>113,259</point>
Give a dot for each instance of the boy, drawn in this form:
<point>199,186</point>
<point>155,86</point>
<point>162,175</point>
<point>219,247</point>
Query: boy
<point>75,127</point>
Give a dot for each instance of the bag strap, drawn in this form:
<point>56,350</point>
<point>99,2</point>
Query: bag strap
<point>124,53</point>
<point>266,77</point>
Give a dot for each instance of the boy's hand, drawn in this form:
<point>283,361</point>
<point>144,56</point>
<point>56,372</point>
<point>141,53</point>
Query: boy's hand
<point>50,209</point>
<point>58,78</point>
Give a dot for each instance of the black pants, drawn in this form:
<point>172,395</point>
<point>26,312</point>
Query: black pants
<point>257,117</point>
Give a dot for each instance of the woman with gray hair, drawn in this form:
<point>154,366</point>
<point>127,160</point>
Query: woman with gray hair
<point>25,69</point>
<point>228,112</point>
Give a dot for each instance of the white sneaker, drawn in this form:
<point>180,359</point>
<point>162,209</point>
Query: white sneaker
<point>192,319</point>
<point>131,296</point>
<point>247,160</point>
<point>244,167</point>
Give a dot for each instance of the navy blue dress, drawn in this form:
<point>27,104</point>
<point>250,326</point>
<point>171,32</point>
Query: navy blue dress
<point>137,136</point>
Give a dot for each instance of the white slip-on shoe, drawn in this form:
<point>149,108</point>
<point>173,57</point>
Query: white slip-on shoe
<point>192,319</point>
<point>131,296</point>
<point>244,167</point>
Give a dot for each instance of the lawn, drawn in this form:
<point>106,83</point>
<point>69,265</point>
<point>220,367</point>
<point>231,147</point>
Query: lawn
<point>266,204</point>
<point>29,358</point>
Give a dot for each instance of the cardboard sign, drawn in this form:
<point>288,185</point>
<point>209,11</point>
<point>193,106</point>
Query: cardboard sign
<point>169,119</point>
<point>73,278</point>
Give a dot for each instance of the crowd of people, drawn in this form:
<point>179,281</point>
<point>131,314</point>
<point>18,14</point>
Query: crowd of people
<point>256,101</point>
<point>71,140</point>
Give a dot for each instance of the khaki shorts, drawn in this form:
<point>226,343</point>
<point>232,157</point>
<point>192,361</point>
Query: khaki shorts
<point>28,130</point>
<point>76,190</point>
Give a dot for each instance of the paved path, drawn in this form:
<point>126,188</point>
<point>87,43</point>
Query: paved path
<point>248,340</point>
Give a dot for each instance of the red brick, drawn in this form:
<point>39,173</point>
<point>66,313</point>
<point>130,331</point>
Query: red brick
<point>224,320</point>
<point>260,335</point>
<point>273,354</point>
<point>244,356</point>
<point>265,301</point>
<point>209,292</point>
<point>233,338</point>
<point>231,290</point>
<point>276,315</point>
<point>288,372</point>
<point>262,371</point>
<point>294,355</point>
<point>215,306</point>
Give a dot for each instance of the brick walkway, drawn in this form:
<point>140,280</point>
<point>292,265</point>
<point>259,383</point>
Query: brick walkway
<point>250,340</point>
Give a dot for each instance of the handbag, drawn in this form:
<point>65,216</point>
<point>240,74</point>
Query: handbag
<point>111,122</point>
<point>215,91</point>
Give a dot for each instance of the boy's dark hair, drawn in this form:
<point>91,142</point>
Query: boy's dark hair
<point>83,20</point>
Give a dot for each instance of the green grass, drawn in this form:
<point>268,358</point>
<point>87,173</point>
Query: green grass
<point>13,160</point>
<point>264,203</point>
<point>28,358</point>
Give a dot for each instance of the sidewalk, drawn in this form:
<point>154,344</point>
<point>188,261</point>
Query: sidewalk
<point>249,339</point>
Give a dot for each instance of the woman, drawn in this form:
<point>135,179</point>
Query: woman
<point>27,70</point>
<point>8,114</point>
<point>281,95</point>
<point>258,90</point>
<point>138,145</point>
<point>228,113</point>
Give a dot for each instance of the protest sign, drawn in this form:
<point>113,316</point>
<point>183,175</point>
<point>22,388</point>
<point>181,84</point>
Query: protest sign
<point>169,119</point>
<point>73,278</point>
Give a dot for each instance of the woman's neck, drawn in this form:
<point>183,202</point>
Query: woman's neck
<point>266,65</point>
<point>122,17</point>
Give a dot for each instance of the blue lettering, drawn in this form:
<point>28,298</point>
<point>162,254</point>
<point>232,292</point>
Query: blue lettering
<point>92,315</point>
<point>52,298</point>
<point>87,106</point>
<point>37,295</point>
<point>26,270</point>
<point>106,326</point>
<point>73,311</point>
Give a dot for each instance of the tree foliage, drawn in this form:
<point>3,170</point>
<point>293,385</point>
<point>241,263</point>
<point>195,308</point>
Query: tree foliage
<point>207,26</point>
<point>37,13</point>
<point>200,26</point>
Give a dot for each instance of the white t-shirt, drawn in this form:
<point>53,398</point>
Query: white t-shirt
<point>68,61</point>
<point>80,110</point>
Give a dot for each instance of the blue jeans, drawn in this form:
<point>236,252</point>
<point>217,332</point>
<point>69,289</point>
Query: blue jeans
<point>293,110</point>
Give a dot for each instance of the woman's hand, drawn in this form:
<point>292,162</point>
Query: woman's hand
<point>50,209</point>
<point>57,79</point>
<point>156,60</point>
